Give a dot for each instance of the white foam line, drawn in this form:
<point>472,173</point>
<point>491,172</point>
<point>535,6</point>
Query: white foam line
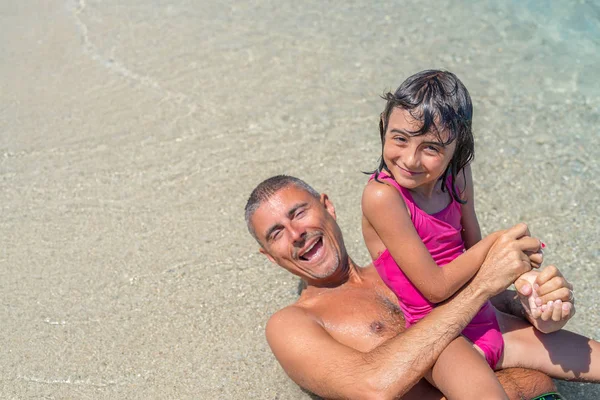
<point>67,381</point>
<point>117,67</point>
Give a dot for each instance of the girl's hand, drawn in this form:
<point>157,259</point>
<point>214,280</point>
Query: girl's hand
<point>535,258</point>
<point>547,298</point>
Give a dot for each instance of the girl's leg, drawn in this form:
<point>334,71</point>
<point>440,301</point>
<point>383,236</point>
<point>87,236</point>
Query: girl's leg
<point>461,372</point>
<point>562,354</point>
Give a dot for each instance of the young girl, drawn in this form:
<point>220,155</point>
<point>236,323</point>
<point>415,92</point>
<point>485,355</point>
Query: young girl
<point>418,215</point>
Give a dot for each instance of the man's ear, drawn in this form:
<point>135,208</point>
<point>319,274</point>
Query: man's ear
<point>270,257</point>
<point>328,205</point>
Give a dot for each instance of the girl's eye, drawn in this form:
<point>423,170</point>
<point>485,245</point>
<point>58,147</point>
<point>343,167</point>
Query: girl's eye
<point>432,149</point>
<point>400,139</point>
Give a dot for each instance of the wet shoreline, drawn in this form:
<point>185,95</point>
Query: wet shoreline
<point>132,134</point>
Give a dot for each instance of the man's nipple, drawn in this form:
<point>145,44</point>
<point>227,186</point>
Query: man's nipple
<point>377,327</point>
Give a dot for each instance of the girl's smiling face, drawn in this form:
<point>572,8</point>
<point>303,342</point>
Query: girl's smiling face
<point>416,162</point>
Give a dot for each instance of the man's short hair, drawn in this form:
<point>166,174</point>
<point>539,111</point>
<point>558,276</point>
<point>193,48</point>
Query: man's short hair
<point>268,188</point>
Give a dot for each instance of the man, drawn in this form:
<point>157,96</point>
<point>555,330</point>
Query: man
<point>345,338</point>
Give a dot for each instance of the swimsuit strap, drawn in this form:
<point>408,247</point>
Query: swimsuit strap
<point>408,199</point>
<point>449,186</point>
<point>410,203</point>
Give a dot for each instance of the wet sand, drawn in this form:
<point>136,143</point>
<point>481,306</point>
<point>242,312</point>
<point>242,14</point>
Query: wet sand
<point>131,135</point>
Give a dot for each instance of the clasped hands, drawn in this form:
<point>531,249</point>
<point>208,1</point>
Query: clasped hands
<point>547,298</point>
<point>545,295</point>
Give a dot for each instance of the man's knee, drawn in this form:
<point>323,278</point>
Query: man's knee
<point>520,383</point>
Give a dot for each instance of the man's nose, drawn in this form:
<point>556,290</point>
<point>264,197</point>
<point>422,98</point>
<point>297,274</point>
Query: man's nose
<point>297,233</point>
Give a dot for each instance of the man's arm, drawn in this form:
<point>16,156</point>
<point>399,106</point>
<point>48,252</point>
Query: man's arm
<point>318,362</point>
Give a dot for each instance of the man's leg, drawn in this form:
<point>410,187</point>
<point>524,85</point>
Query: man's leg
<point>518,383</point>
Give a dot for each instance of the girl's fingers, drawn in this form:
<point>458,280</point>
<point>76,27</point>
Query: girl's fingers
<point>557,311</point>
<point>536,258</point>
<point>532,305</point>
<point>563,294</point>
<point>547,311</point>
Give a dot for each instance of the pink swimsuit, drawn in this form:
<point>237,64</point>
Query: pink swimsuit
<point>441,234</point>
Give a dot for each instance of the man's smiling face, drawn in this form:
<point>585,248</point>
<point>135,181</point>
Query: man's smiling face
<point>298,232</point>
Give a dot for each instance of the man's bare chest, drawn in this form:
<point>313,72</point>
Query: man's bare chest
<point>360,318</point>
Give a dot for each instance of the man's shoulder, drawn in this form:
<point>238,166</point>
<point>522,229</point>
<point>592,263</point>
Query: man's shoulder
<point>293,319</point>
<point>300,310</point>
<point>292,311</point>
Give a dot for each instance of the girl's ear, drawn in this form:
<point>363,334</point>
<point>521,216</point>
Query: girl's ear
<point>328,205</point>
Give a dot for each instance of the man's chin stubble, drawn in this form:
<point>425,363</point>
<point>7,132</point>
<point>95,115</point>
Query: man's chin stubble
<point>331,271</point>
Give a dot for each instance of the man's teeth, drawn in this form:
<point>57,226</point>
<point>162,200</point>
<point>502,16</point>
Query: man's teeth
<point>308,250</point>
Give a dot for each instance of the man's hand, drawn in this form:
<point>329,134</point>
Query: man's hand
<point>547,298</point>
<point>513,254</point>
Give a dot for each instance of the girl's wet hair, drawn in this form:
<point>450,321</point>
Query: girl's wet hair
<point>442,103</point>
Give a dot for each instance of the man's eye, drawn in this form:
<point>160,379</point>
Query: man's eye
<point>276,235</point>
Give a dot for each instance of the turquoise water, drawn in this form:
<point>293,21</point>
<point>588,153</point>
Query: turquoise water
<point>577,21</point>
<point>572,29</point>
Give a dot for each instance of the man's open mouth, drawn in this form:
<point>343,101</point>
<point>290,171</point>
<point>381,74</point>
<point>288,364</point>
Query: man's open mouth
<point>313,249</point>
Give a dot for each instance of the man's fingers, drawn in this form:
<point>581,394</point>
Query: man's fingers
<point>517,231</point>
<point>548,273</point>
<point>529,244</point>
<point>556,284</point>
<point>563,294</point>
<point>523,287</point>
<point>568,310</point>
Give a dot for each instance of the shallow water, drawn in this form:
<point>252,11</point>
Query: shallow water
<point>573,28</point>
<point>132,132</point>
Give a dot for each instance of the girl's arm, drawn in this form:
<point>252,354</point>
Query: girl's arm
<point>385,210</point>
<point>471,232</point>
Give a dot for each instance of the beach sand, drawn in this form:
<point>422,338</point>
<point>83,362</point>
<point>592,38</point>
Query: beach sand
<point>131,134</point>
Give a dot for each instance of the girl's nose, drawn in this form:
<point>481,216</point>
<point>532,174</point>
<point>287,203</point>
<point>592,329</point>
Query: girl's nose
<point>412,160</point>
